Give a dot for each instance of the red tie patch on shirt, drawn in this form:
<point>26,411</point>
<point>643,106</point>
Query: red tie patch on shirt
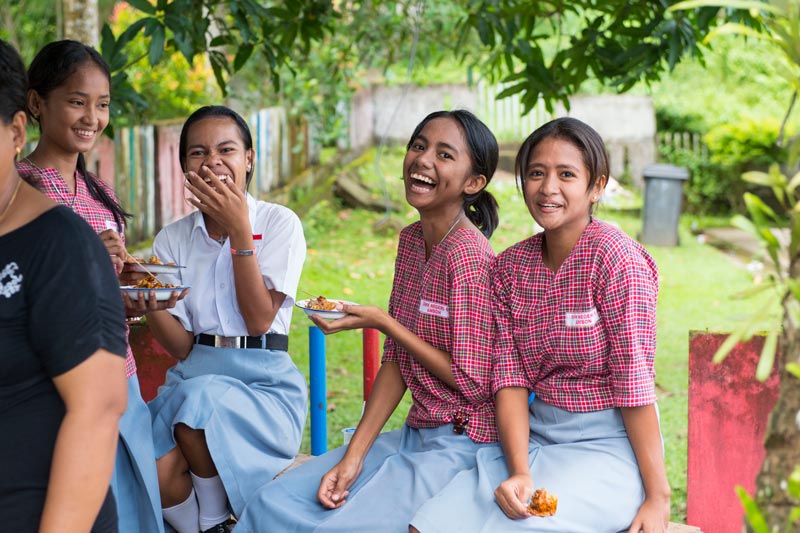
<point>582,320</point>
<point>433,309</point>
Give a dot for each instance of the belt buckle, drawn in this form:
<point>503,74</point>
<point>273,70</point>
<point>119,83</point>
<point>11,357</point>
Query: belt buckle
<point>227,342</point>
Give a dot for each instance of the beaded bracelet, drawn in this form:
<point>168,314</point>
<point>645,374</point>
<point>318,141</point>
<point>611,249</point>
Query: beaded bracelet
<point>248,251</point>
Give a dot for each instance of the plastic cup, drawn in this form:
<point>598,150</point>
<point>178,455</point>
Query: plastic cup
<point>347,434</point>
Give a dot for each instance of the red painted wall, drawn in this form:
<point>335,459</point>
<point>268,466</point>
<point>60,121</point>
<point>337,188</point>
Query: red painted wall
<point>728,413</point>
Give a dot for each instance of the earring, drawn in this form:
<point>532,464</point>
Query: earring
<point>19,150</point>
<point>594,198</point>
<point>249,167</point>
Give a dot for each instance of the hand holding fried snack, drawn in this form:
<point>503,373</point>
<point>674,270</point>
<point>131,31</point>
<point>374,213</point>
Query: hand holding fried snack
<point>542,503</point>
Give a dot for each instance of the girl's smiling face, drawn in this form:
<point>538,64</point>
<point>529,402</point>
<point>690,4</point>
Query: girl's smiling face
<point>556,187</point>
<point>216,142</point>
<point>74,114</point>
<point>437,165</point>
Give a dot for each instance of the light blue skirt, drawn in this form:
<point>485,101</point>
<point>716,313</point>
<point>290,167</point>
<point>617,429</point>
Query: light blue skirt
<point>401,471</point>
<point>134,481</point>
<point>251,404</point>
<point>585,459</point>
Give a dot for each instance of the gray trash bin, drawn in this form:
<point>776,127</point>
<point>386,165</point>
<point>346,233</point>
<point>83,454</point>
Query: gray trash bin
<point>663,192</point>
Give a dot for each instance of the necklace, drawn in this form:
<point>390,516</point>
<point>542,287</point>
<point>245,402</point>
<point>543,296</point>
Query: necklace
<point>219,237</point>
<point>11,201</point>
<point>452,226</point>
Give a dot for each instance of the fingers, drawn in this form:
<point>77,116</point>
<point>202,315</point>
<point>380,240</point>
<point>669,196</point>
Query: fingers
<point>330,494</point>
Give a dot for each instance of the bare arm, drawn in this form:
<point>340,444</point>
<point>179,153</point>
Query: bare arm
<point>436,361</point>
<point>95,396</point>
<point>512,495</point>
<point>227,205</point>
<point>642,426</point>
<point>169,332</point>
<point>386,394</point>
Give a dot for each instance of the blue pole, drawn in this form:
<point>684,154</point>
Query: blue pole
<point>316,362</point>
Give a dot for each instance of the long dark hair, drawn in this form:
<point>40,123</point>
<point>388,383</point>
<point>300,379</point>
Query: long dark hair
<point>51,68</point>
<point>572,130</point>
<point>13,83</point>
<point>216,111</point>
<point>480,207</point>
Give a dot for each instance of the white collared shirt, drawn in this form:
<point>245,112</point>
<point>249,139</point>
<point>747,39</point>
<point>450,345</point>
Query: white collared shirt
<point>211,306</point>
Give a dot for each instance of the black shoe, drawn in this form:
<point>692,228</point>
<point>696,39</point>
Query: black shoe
<point>222,527</point>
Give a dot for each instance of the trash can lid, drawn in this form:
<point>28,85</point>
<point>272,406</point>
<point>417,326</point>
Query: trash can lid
<point>663,170</point>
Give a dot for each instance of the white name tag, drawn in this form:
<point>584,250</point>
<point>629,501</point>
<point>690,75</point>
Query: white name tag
<point>582,320</point>
<point>432,308</point>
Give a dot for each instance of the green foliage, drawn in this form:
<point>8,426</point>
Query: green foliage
<point>710,190</point>
<point>745,145</point>
<point>226,33</point>
<point>620,42</point>
<point>737,80</point>
<point>171,89</point>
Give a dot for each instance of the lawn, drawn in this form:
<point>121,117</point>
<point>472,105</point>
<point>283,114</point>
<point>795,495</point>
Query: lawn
<point>351,256</point>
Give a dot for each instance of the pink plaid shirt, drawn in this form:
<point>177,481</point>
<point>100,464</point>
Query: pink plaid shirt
<point>583,338</point>
<point>445,301</point>
<point>50,182</point>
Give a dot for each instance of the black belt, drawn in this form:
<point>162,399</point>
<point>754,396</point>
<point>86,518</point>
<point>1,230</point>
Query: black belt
<point>268,341</point>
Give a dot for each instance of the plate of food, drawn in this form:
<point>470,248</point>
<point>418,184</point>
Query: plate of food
<point>323,307</point>
<point>163,290</point>
<point>152,265</point>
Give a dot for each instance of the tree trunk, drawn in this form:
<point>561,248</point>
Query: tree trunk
<point>782,441</point>
<point>81,21</point>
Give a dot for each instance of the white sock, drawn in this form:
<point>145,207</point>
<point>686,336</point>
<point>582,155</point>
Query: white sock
<point>184,517</point>
<point>212,499</point>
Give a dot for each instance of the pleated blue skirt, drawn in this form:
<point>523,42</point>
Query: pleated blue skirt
<point>401,471</point>
<point>134,481</point>
<point>585,459</point>
<point>251,404</point>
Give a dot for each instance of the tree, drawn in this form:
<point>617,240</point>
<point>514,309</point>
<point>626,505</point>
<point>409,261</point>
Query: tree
<point>541,49</point>
<point>80,21</point>
<point>777,501</point>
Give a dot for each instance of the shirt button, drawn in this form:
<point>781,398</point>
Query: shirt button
<point>221,285</point>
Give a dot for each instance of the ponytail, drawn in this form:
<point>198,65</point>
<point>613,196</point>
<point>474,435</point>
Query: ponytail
<point>481,209</point>
<point>98,192</point>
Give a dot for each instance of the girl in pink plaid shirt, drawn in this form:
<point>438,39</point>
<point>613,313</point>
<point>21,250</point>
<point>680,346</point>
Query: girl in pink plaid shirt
<point>69,97</point>
<point>575,311</point>
<point>438,342</point>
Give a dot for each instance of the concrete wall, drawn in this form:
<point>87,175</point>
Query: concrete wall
<point>626,122</point>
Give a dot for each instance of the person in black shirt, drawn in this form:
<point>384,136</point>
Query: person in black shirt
<point>62,349</point>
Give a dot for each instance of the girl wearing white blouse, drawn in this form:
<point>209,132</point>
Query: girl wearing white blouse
<point>231,413</point>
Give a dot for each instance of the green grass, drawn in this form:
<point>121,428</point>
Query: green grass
<point>349,258</point>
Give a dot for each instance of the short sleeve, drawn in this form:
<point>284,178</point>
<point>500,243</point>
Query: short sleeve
<point>628,307</point>
<point>507,368</point>
<point>75,302</point>
<point>471,316</point>
<point>282,252</point>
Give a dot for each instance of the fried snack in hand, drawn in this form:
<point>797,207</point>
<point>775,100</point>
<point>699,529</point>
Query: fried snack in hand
<point>543,503</point>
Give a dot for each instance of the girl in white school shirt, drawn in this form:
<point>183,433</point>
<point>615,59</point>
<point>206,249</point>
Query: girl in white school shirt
<point>230,415</point>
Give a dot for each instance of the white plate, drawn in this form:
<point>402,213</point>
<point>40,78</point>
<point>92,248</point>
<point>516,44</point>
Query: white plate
<point>161,294</point>
<point>153,268</point>
<point>328,315</point>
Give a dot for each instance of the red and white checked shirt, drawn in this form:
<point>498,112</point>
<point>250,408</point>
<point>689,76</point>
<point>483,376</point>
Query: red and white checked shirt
<point>445,302</point>
<point>583,338</point>
<point>99,217</point>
